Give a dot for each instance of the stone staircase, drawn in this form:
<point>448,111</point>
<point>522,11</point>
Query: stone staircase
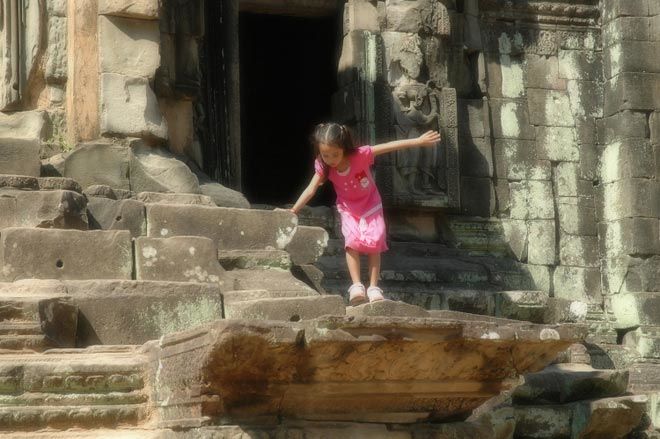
<point>164,316</point>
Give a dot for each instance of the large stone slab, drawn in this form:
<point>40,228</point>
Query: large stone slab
<point>44,209</point>
<point>288,309</point>
<point>20,156</point>
<point>179,258</point>
<point>274,280</point>
<point>128,46</point>
<point>129,108</point>
<point>65,254</point>
<point>109,214</point>
<point>562,383</point>
<point>134,312</point>
<point>157,170</point>
<point>307,245</point>
<point>99,164</point>
<point>347,368</point>
<point>230,228</point>
<point>45,303</point>
<point>249,259</point>
<point>142,9</point>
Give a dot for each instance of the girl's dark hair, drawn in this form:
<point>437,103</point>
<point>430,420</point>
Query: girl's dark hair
<point>332,134</point>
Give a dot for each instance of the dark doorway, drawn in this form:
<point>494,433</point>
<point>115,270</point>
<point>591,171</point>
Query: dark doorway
<point>287,74</point>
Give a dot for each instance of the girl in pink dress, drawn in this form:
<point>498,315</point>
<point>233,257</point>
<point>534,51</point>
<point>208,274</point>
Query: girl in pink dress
<point>358,201</point>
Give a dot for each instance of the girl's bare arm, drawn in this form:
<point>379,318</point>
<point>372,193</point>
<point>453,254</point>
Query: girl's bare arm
<point>316,181</point>
<point>429,138</point>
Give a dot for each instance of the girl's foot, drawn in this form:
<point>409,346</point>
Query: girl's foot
<point>375,294</point>
<point>356,294</point>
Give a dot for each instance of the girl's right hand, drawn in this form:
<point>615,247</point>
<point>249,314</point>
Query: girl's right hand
<point>429,138</point>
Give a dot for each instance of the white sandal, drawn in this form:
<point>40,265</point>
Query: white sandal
<point>356,294</point>
<point>375,294</point>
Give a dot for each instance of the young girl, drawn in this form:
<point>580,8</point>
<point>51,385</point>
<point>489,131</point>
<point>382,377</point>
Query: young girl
<point>358,200</point>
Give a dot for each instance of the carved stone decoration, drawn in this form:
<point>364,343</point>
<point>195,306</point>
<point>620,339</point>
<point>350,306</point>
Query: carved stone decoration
<point>182,25</point>
<point>419,170</point>
<point>22,29</point>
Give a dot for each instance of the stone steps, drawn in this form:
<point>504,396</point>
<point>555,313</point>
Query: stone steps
<point>102,387</point>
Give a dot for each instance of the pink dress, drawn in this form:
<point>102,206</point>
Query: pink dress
<point>358,202</point>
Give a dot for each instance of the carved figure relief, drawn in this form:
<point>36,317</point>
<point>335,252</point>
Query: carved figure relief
<point>416,110</point>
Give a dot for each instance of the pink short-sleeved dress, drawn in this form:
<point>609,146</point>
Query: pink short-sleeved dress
<point>358,202</point>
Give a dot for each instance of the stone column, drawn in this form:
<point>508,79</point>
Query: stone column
<point>629,191</point>
<point>82,100</point>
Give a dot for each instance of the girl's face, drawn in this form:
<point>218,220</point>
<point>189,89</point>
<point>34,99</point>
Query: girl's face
<point>332,155</point>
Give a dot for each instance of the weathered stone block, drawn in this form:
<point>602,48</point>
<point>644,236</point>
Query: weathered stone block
<point>515,235</point>
<point>99,163</point>
<point>522,160</point>
<point>272,280</point>
<point>386,308</point>
<point>585,65</point>
<point>56,57</point>
<point>231,229</point>
<point>586,99</point>
<point>562,383</point>
<point>577,283</point>
<point>288,309</point>
<point>613,9</point>
<point>566,179</point>
<point>632,56</point>
<point>108,214</point>
<point>543,72</point>
<point>622,125</point>
<point>549,108</point>
<point>179,259</point>
<point>477,196</point>
<point>223,196</point>
<point>629,198</point>
<point>307,245</point>
<point>472,118</point>
<point>631,236</point>
<point>142,9</point>
<point>128,47</point>
<point>361,15</point>
<point>654,127</point>
<point>166,198</point>
<point>248,259</point>
<point>577,215</point>
<point>558,144</point>
<point>56,8</point>
<point>622,274</point>
<point>231,297</point>
<point>632,91</point>
<point>129,108</point>
<point>627,159</point>
<point>157,170</point>
<point>626,29</point>
<point>565,311</point>
<point>511,120</point>
<point>20,157</point>
<point>134,312</point>
<point>65,254</point>
<point>476,158</point>
<point>635,309</point>
<point>299,357</point>
<point>58,184</point>
<point>43,209</point>
<point>645,340</point>
<point>578,251</point>
<point>541,242</point>
<point>531,200</point>
<point>521,305</point>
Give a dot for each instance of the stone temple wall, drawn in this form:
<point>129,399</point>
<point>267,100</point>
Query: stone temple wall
<point>549,110</point>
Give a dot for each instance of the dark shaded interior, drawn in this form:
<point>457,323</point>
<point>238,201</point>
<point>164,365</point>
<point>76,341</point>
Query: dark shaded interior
<point>288,76</point>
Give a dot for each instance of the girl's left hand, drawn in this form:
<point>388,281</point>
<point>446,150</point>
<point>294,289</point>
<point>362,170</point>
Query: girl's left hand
<point>429,138</point>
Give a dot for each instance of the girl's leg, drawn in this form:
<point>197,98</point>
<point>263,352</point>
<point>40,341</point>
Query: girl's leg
<point>353,262</point>
<point>374,269</point>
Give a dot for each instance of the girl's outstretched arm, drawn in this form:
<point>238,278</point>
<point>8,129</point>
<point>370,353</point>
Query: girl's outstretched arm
<point>308,193</point>
<point>429,138</point>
